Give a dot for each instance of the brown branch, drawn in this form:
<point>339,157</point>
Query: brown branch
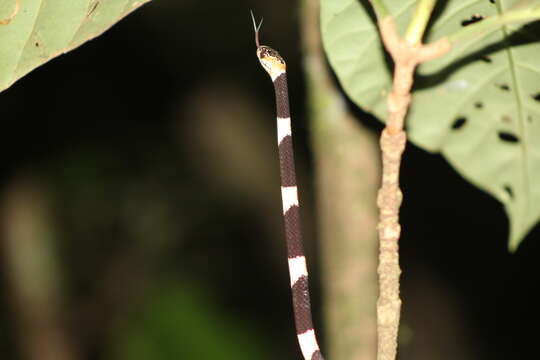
<point>393,138</point>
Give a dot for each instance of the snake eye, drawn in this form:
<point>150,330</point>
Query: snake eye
<point>266,52</point>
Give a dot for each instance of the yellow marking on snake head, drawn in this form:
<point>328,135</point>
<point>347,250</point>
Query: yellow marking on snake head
<point>271,61</point>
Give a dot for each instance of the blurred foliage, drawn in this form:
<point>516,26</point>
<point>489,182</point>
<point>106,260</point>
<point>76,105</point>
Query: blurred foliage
<point>175,321</point>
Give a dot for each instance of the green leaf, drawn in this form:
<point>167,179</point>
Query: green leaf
<point>43,29</point>
<point>479,105</point>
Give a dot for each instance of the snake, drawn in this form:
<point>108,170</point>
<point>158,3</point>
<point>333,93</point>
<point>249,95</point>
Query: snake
<point>275,66</point>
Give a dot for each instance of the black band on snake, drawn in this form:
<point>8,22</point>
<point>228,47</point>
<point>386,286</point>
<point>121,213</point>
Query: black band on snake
<point>274,65</point>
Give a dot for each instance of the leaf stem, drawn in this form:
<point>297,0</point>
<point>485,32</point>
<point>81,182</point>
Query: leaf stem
<point>418,24</point>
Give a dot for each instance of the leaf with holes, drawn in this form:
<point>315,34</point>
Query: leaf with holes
<point>479,105</point>
<point>34,31</point>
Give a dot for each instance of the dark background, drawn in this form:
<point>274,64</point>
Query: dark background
<point>148,155</point>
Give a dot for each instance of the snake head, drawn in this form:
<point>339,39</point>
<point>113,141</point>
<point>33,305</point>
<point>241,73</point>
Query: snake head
<point>271,61</point>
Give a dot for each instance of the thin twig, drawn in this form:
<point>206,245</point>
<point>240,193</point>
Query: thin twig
<point>406,57</point>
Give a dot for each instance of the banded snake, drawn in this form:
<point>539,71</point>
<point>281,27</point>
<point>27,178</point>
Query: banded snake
<point>275,66</point>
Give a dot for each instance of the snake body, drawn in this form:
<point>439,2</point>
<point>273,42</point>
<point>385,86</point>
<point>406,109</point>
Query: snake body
<point>275,66</point>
